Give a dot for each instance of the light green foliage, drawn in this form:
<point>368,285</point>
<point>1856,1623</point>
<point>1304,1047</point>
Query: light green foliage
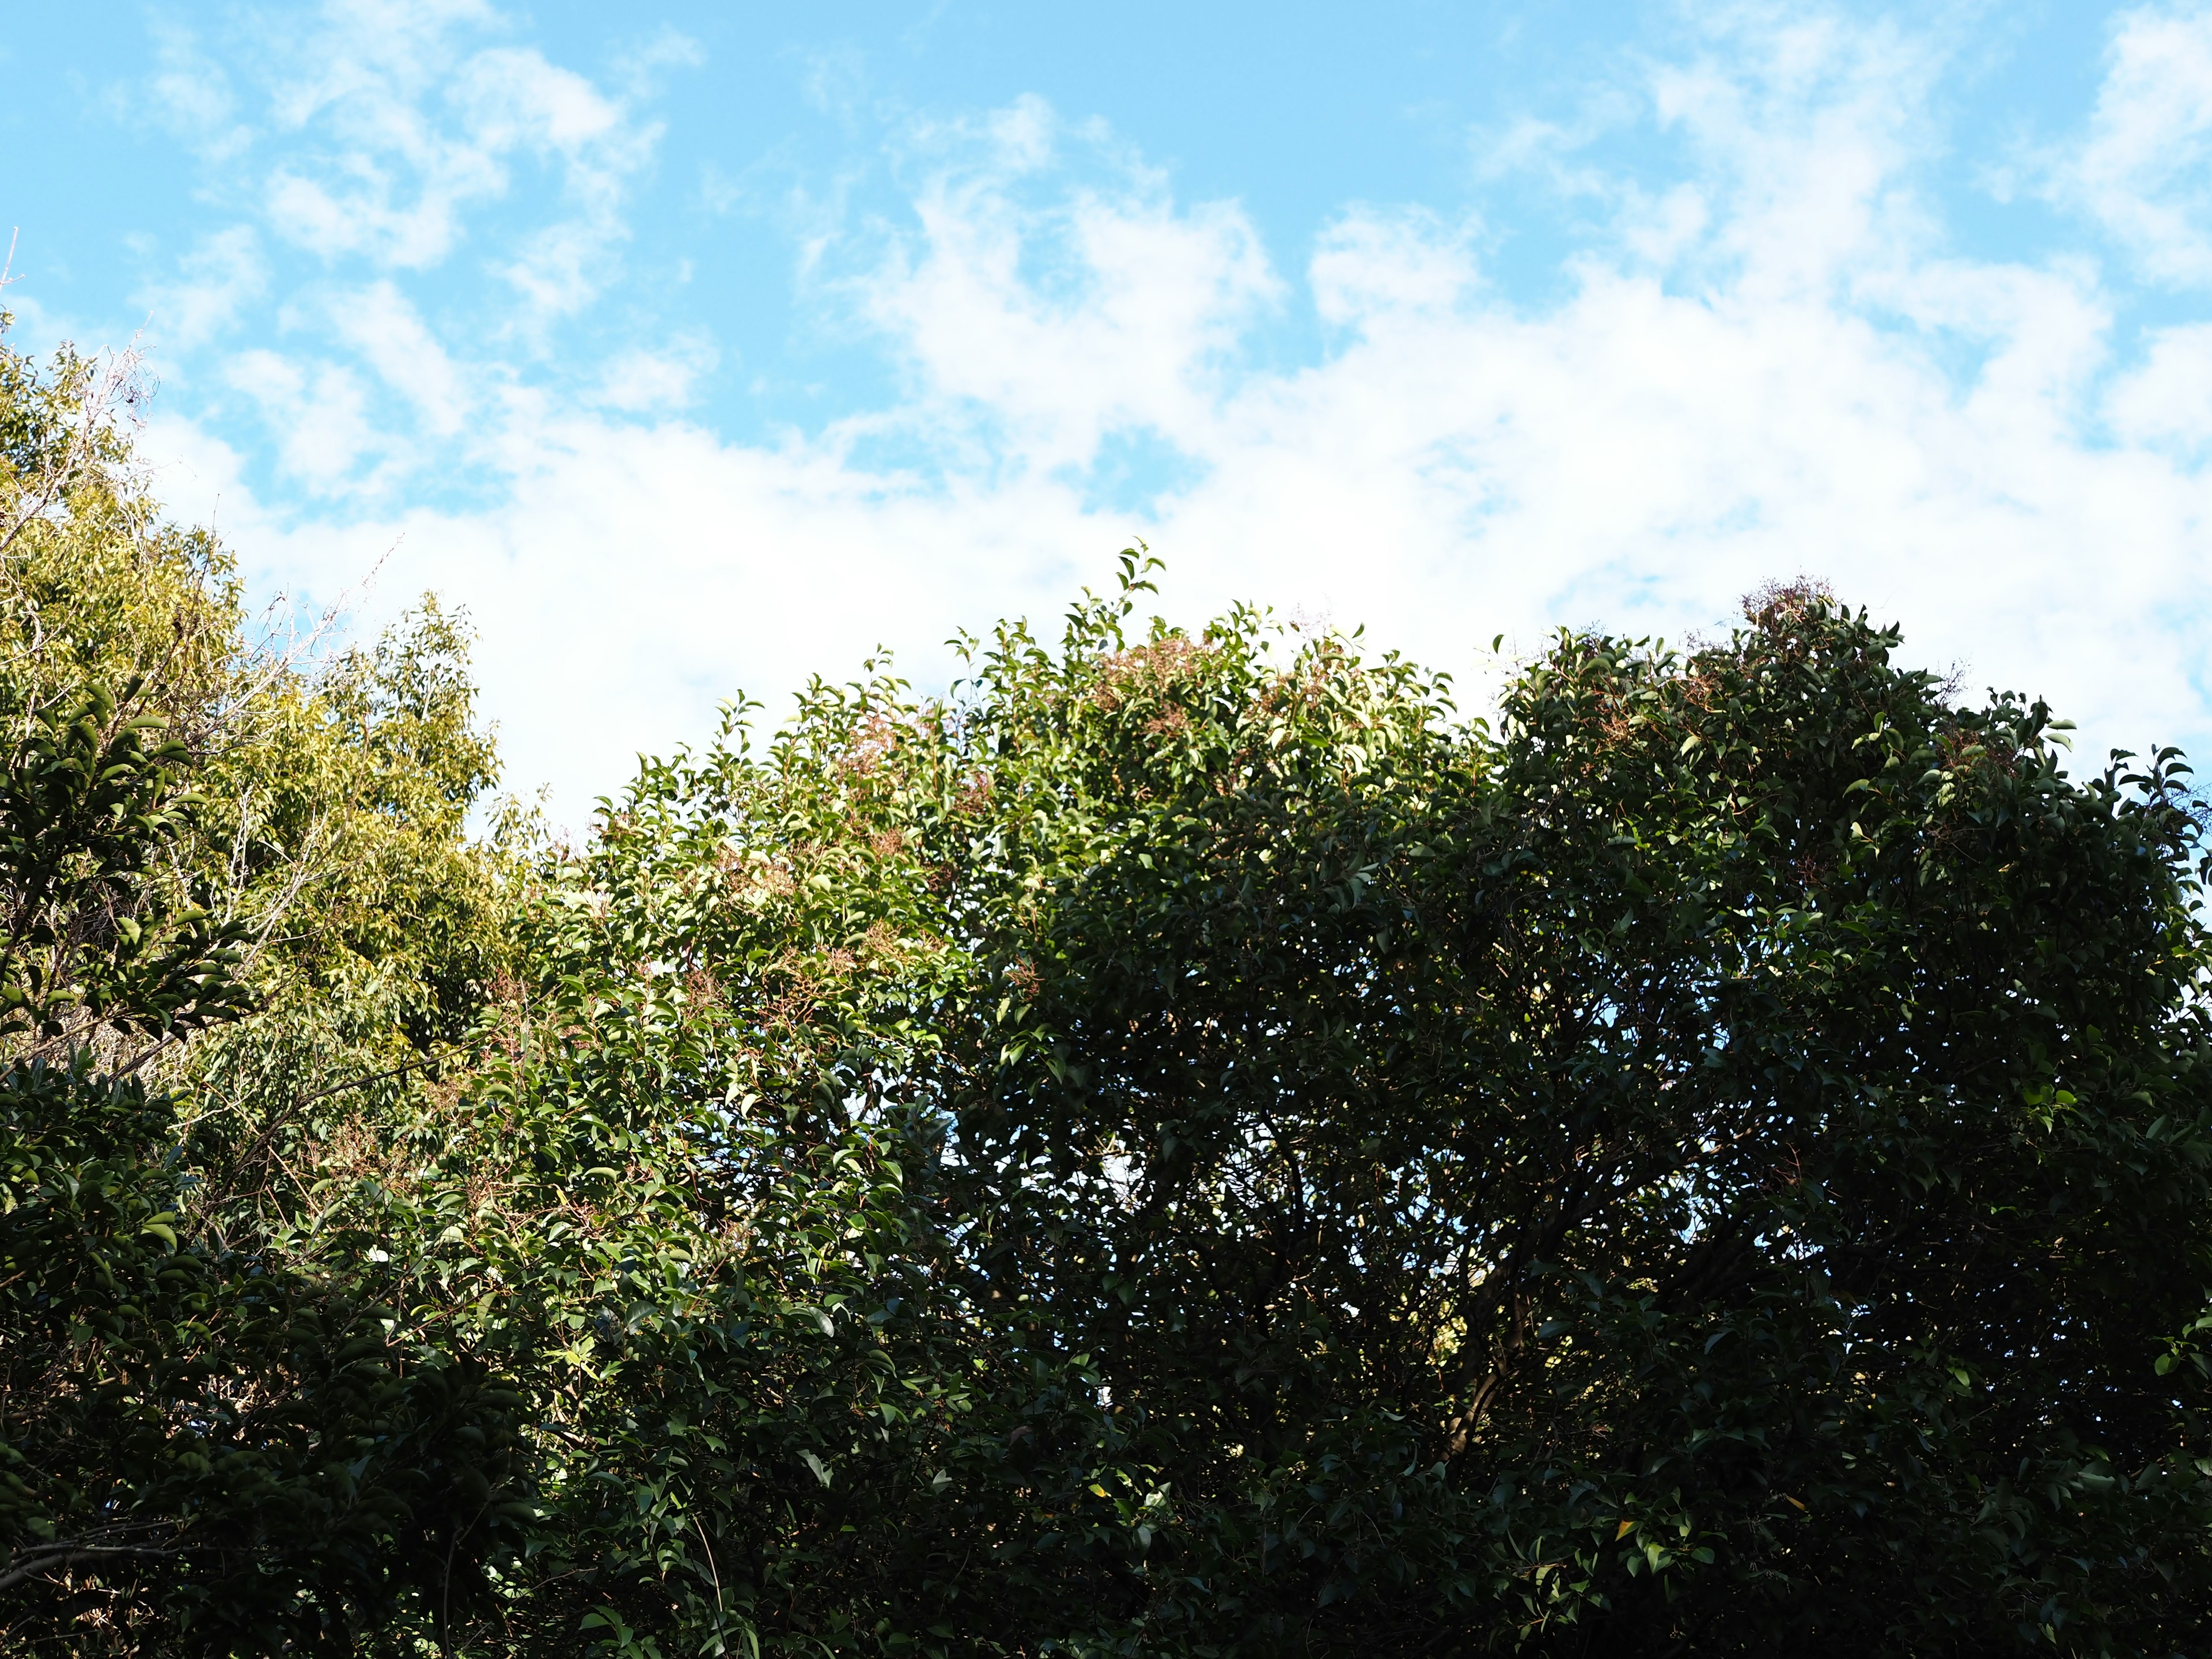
<point>379,925</point>
<point>356,791</point>
<point>213,1441</point>
<point>334,799</point>
<point>95,586</point>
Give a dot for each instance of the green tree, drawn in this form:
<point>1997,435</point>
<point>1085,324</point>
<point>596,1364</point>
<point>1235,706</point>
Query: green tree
<point>660,1196</point>
<point>205,1448</point>
<point>235,889</point>
<point>1183,1146</point>
<point>1715,1164</point>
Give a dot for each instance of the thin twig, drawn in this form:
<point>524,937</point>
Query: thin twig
<point>720,1605</point>
<point>324,1094</point>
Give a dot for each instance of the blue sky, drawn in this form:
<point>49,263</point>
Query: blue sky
<point>701,348</point>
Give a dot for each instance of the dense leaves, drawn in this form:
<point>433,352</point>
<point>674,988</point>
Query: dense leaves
<point>205,1446</point>
<point>96,938</point>
<point>1714,1164</point>
<point>211,1440</point>
<point>1183,1145</point>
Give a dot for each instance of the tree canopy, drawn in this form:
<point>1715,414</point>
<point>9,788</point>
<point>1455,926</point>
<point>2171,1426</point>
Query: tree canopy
<point>1186,1143</point>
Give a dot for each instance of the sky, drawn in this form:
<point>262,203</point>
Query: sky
<point>697,349</point>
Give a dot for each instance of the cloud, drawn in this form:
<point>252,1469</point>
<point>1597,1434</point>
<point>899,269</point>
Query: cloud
<point>189,96</point>
<point>374,163</point>
<point>377,322</point>
<point>317,415</point>
<point>640,573</point>
<point>2166,402</point>
<point>1771,360</point>
<point>642,382</point>
<point>639,69</point>
<point>373,136</point>
<point>1109,308</point>
<point>224,272</point>
<point>558,271</point>
<point>403,127</point>
<point>1370,266</point>
<point>2145,170</point>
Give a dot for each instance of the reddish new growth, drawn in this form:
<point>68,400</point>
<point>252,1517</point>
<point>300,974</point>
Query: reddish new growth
<point>1152,666</point>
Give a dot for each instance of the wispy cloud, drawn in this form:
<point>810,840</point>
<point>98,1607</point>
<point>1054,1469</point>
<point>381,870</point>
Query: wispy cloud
<point>318,415</point>
<point>1060,323</point>
<point>1774,361</point>
<point>189,96</point>
<point>404,126</point>
<point>210,287</point>
<point>2146,170</point>
<point>371,135</point>
<point>379,323</point>
<point>645,382</point>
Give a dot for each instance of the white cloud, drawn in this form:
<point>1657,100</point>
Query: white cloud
<point>559,270</point>
<point>317,415</point>
<point>2166,402</point>
<point>377,322</point>
<point>1370,267</point>
<point>639,69</point>
<point>371,167</point>
<point>1775,363</point>
<point>640,382</point>
<point>1109,309</point>
<point>2146,169</point>
<point>370,134</point>
<point>512,97</point>
<point>398,129</point>
<point>189,95</point>
<point>1805,128</point>
<point>224,272</point>
<point>354,212</point>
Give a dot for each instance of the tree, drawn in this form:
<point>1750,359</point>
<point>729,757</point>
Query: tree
<point>1715,1164</point>
<point>206,1447</point>
<point>1184,1145</point>
<point>211,1438</point>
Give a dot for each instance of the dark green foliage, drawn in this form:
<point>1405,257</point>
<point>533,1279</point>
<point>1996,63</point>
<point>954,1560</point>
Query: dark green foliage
<point>1741,1131</point>
<point>206,1453</point>
<point>97,935</point>
<point>225,884</point>
<point>754,1396</point>
<point>1714,1166</point>
<point>206,1447</point>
